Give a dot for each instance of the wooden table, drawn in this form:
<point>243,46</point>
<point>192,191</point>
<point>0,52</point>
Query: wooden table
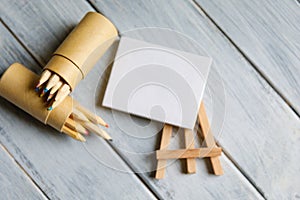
<point>255,46</point>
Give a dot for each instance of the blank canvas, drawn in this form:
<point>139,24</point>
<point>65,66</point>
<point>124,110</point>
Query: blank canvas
<point>157,82</point>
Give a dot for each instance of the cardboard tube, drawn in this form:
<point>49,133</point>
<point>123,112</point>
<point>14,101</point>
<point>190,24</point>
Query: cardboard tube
<point>82,48</point>
<point>17,86</point>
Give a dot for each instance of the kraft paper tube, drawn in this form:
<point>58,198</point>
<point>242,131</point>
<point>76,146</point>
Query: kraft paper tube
<point>82,48</point>
<point>17,86</point>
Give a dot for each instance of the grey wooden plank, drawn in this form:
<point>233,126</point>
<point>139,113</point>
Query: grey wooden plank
<point>137,146</point>
<point>11,52</point>
<point>268,33</point>
<point>30,12</point>
<point>166,189</point>
<point>260,132</point>
<point>232,184</point>
<point>63,168</point>
<point>14,184</point>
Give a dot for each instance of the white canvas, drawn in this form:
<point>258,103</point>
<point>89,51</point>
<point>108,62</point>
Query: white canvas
<point>156,82</point>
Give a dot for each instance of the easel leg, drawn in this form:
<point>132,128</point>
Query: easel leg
<point>209,139</point>
<point>190,144</point>
<point>165,141</point>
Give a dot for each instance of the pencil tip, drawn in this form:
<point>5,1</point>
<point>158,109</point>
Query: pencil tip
<point>110,140</point>
<point>81,138</point>
<point>106,126</point>
<point>36,89</point>
<point>49,97</point>
<point>45,90</point>
<point>50,108</point>
<point>43,93</point>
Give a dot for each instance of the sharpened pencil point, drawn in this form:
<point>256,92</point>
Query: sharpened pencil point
<point>37,89</point>
<point>110,140</point>
<point>81,138</point>
<point>106,126</point>
<point>49,97</point>
<point>43,92</point>
<point>50,108</point>
<point>38,85</point>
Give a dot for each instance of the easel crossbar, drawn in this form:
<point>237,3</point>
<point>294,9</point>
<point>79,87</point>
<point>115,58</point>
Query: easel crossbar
<point>188,153</point>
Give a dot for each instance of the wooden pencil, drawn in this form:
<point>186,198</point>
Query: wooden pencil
<point>65,87</point>
<point>70,123</point>
<point>73,134</point>
<point>92,117</point>
<point>76,126</point>
<point>57,101</point>
<point>81,129</point>
<point>54,79</point>
<point>44,78</point>
<point>54,89</point>
<point>95,129</point>
<point>77,115</point>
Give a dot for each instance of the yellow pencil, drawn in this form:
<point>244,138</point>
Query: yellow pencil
<point>76,126</point>
<point>70,123</point>
<point>73,134</point>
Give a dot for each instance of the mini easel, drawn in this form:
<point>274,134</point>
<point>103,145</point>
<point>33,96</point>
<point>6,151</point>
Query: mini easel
<point>190,153</point>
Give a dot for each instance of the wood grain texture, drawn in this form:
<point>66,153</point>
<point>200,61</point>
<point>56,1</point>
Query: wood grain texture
<point>190,144</point>
<point>38,32</point>
<point>260,132</point>
<point>188,153</point>
<point>268,33</point>
<point>209,139</point>
<point>14,184</point>
<point>54,21</point>
<point>62,167</point>
<point>164,143</point>
<point>11,52</point>
<point>249,100</point>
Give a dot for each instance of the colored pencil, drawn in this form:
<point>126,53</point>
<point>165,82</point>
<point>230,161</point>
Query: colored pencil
<point>92,117</point>
<point>76,126</point>
<point>81,129</point>
<point>59,99</point>
<point>73,134</point>
<point>95,129</point>
<point>65,87</point>
<point>54,79</point>
<point>44,77</point>
<point>77,115</point>
<point>54,90</point>
<point>70,123</point>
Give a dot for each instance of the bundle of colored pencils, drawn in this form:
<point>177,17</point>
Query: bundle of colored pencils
<point>52,85</point>
<point>81,121</point>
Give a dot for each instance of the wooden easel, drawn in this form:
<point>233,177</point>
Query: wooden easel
<point>190,153</point>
